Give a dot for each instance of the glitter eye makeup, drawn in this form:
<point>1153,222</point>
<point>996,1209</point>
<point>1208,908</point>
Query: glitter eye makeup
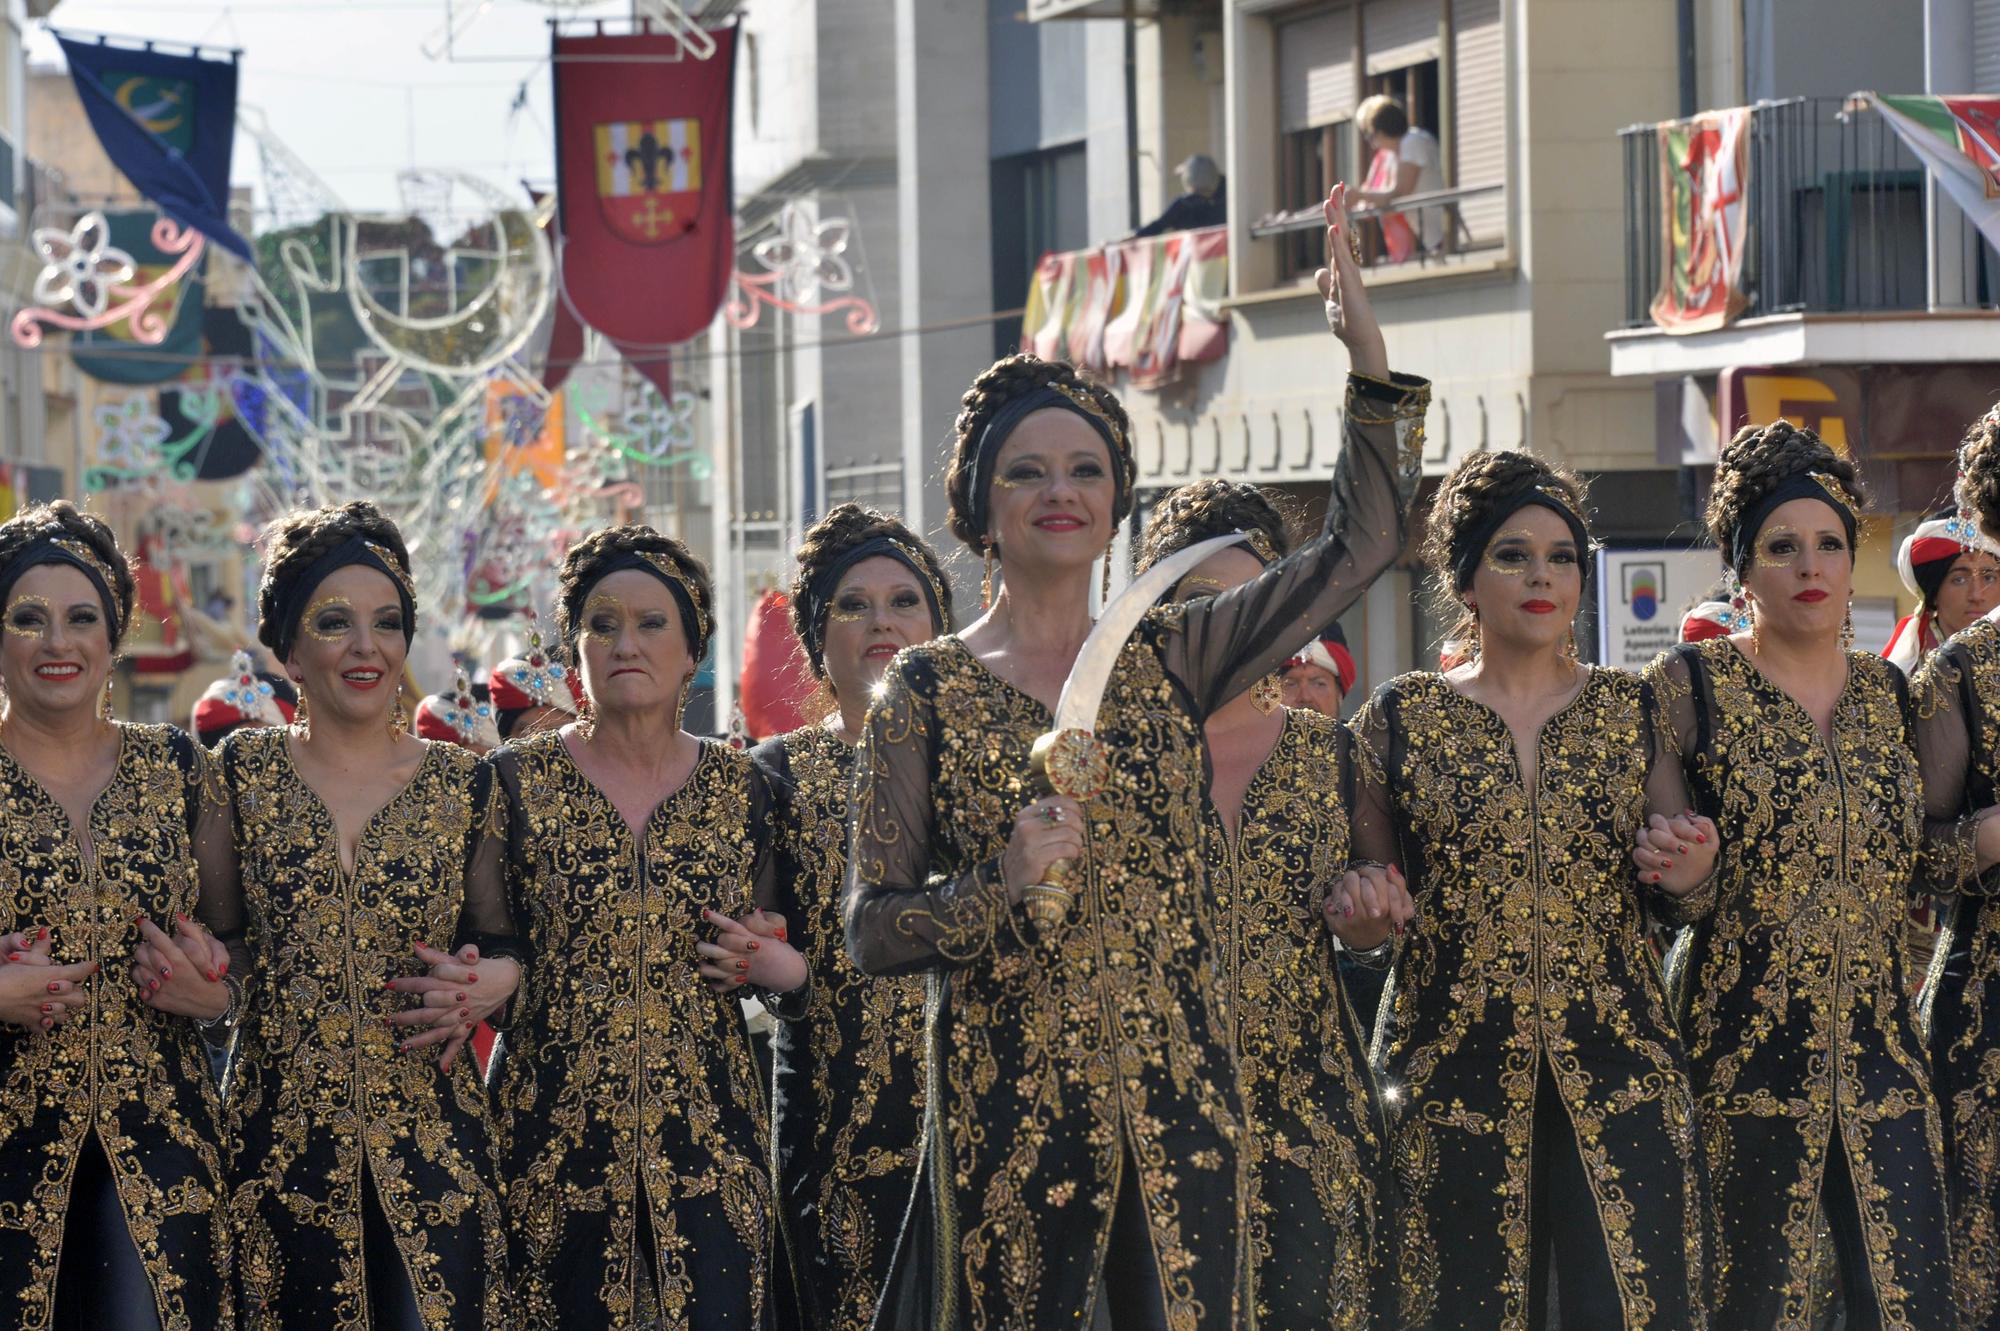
<point>600,604</point>
<point>310,621</point>
<point>1492,561</point>
<point>1196,585</point>
<point>28,629</point>
<point>847,615</point>
<point>1766,558</point>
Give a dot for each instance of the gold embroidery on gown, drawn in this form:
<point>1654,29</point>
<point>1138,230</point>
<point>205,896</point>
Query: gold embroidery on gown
<point>135,1078</point>
<point>848,1111</point>
<point>1065,1066</point>
<point>323,1103</point>
<point>1798,1021</point>
<point>1957,695</point>
<point>635,1113</point>
<point>1314,1137</point>
<point>1527,960</point>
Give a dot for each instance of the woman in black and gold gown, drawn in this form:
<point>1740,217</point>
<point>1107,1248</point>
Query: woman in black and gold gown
<point>366,1173</point>
<point>1083,1116</point>
<point>1810,1078</point>
<point>1314,1142</point>
<point>848,1109</point>
<point>1957,694</point>
<point>639,1192</point>
<point>1542,1115</point>
<point>113,1211</point>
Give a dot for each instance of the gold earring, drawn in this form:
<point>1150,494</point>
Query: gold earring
<point>1569,646</point>
<point>586,720</point>
<point>1267,695</point>
<point>1847,628</point>
<point>680,708</point>
<point>1755,645</point>
<point>110,682</point>
<point>400,723</point>
<point>301,715</point>
<point>1104,598</point>
<point>986,582</point>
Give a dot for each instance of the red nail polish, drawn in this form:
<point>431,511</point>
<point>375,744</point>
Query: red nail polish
<point>1656,878</point>
<point>48,1007</point>
<point>468,1028</point>
<point>55,986</point>
<point>212,977</point>
<point>781,935</point>
<point>390,985</point>
<point>48,1024</point>
<point>182,918</point>
<point>224,968</point>
<point>166,973</point>
<point>138,916</point>
<point>473,978</point>
<point>42,933</point>
<point>743,965</point>
<point>13,956</point>
<point>463,1014</point>
<point>1350,912</point>
<point>753,945</point>
<point>461,998</point>
<point>1681,849</point>
<point>1702,839</point>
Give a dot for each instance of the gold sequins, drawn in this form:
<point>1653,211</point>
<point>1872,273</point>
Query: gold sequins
<point>28,628</point>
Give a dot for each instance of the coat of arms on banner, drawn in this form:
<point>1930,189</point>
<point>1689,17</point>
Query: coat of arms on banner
<point>649,178</point>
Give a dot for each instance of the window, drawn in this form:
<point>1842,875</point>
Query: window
<point>1041,205</point>
<point>1312,159</point>
<point>1316,84</point>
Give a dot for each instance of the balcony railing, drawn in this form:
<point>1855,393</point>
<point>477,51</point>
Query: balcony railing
<point>1471,219</point>
<point>1838,219</point>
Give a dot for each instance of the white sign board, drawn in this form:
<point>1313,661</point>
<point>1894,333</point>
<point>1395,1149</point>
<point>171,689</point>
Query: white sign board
<point>1641,596</point>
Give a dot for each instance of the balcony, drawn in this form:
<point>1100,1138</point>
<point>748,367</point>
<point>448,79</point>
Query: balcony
<point>1844,257</point>
<point>1470,220</point>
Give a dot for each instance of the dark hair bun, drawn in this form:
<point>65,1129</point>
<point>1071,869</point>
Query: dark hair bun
<point>585,561</point>
<point>827,542</point>
<point>60,517</point>
<point>292,544</point>
<point>1466,498</point>
<point>1978,490</point>
<point>1008,378</point>
<point>1760,459</point>
<point>1208,508</point>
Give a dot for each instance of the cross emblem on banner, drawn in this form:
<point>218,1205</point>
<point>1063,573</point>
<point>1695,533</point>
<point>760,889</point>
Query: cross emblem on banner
<point>650,218</point>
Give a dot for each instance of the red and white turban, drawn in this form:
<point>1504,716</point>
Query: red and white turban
<point>458,717</point>
<point>1330,654</point>
<point>1710,619</point>
<point>1923,562</point>
<point>533,679</point>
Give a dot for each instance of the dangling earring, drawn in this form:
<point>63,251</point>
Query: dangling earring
<point>1737,617</point>
<point>1267,695</point>
<point>1569,646</point>
<point>586,720</point>
<point>1104,596</point>
<point>1846,629</point>
<point>986,582</point>
<point>680,708</point>
<point>1755,645</point>
<point>302,715</point>
<point>110,682</point>
<point>400,723</point>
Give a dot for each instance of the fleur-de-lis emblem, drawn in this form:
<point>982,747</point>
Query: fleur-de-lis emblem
<point>648,158</point>
<point>80,266</point>
<point>808,256</point>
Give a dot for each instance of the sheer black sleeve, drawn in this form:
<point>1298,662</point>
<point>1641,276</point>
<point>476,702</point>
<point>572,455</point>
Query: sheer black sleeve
<point>1947,720</point>
<point>769,882</point>
<point>1228,642</point>
<point>900,916</point>
<point>1372,812</point>
<point>212,833</point>
<point>486,919</point>
<point>1675,704</point>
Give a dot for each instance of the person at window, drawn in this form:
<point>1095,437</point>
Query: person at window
<point>1203,201</point>
<point>1405,162</point>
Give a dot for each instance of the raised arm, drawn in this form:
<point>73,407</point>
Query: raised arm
<point>901,915</point>
<point>1230,641</point>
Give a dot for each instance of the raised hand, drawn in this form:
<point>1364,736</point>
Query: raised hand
<point>180,973</point>
<point>1368,903</point>
<point>1348,312</point>
<point>1676,854</point>
<point>741,956</point>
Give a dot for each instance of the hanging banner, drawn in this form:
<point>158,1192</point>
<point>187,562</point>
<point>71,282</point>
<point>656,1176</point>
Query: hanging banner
<point>1145,306</point>
<point>1705,192</point>
<point>115,354</point>
<point>168,122</point>
<point>644,201</point>
<point>1958,141</point>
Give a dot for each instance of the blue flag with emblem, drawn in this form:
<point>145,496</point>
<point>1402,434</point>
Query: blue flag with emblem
<point>169,123</point>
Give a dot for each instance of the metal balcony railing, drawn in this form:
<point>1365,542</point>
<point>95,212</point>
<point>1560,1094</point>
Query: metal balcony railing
<point>1838,219</point>
<point>1470,217</point>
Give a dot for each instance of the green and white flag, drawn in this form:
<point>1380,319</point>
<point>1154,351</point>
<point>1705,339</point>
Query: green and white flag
<point>1958,141</point>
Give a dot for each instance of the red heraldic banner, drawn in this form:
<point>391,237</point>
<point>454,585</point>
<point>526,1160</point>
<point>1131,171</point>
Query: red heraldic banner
<point>644,200</point>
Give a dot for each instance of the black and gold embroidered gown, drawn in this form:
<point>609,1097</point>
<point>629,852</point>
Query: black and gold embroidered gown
<point>1069,1067</point>
<point>331,1121</point>
<point>1526,1022</point>
<point>639,1192</point>
<point>1957,695</point>
<point>848,1110</point>
<point>119,1086</point>
<point>1315,1143</point>
<point>1808,1070</point>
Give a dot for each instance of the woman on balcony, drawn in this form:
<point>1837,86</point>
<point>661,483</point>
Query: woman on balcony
<point>1541,1111</point>
<point>1814,1100</point>
<point>1084,1119</point>
<point>1958,700</point>
<point>1277,823</point>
